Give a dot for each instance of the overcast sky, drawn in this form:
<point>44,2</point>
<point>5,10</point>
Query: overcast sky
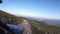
<point>33,8</point>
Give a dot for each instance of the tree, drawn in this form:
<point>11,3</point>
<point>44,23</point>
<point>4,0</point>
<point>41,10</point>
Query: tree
<point>1,1</point>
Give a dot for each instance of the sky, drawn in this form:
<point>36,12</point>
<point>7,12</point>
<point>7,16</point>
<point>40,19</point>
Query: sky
<point>33,8</point>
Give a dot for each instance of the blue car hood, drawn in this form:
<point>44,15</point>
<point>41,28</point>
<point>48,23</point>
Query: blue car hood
<point>16,29</point>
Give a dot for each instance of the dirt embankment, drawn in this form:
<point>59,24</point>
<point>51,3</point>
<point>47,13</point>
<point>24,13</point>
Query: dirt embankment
<point>26,26</point>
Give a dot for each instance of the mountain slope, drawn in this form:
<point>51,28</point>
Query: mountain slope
<point>39,27</point>
<point>9,18</point>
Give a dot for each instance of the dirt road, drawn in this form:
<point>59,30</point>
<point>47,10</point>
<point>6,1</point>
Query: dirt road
<point>26,26</point>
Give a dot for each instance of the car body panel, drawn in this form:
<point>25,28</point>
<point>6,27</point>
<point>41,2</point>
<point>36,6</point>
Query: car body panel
<point>16,29</point>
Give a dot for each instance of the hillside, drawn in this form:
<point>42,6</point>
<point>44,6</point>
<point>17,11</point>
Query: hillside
<point>9,18</point>
<point>39,27</point>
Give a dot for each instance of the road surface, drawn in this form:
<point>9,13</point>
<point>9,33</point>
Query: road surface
<point>26,26</point>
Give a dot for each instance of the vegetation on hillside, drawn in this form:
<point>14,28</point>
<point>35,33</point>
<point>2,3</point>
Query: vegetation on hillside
<point>39,27</point>
<point>9,18</point>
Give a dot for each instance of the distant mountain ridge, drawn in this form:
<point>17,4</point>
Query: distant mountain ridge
<point>52,22</point>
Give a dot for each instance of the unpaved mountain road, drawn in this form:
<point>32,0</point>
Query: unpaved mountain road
<point>26,26</point>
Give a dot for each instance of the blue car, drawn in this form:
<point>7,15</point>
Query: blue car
<point>16,29</point>
<point>10,28</point>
